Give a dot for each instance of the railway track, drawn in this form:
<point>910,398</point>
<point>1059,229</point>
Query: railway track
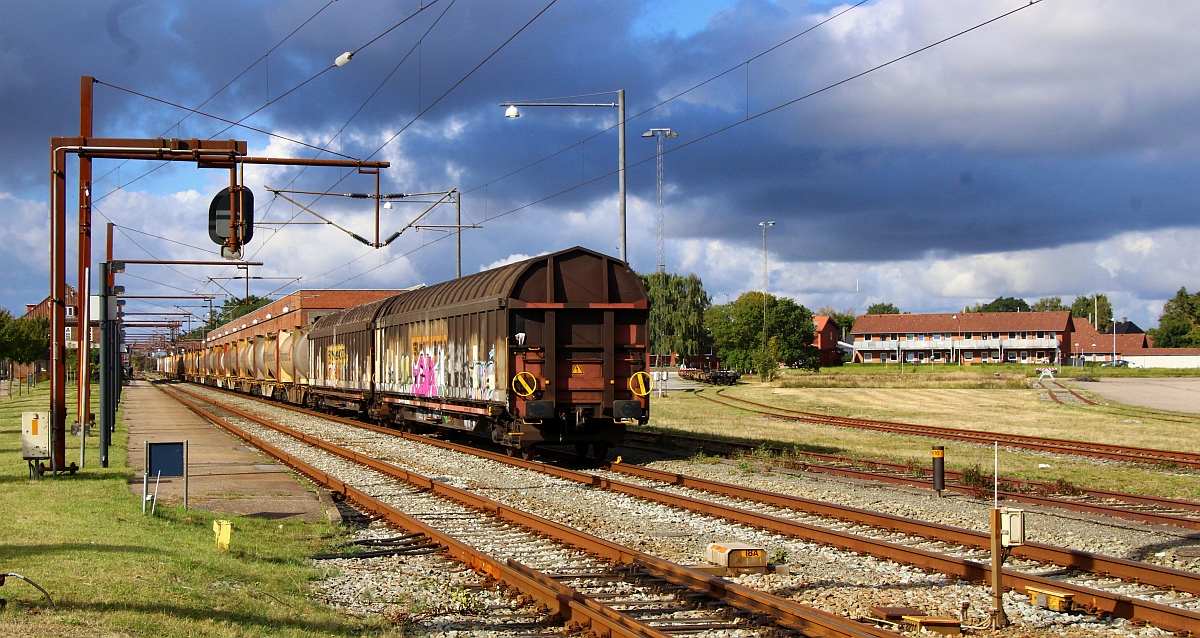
<point>1169,458</point>
<point>657,597</point>
<point>1095,598</point>
<point>1135,507</point>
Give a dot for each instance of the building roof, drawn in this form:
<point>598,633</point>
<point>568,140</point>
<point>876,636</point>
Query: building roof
<point>954,323</point>
<point>821,322</point>
<point>1091,340</point>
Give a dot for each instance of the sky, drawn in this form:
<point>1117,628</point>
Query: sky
<point>1042,150</point>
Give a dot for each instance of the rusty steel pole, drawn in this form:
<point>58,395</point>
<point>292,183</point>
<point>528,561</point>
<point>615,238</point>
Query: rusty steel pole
<point>58,306</point>
<point>83,290</point>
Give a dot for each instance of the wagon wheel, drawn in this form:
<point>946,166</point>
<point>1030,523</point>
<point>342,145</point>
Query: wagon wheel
<point>511,451</point>
<point>527,453</point>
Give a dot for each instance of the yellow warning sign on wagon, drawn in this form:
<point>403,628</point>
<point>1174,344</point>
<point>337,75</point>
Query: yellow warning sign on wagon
<point>524,383</point>
<point>576,369</point>
<point>640,383</point>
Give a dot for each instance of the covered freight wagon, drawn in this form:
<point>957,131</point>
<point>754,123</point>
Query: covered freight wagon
<point>547,350</point>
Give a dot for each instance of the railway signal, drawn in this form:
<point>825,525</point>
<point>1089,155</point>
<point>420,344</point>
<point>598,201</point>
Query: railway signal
<point>230,222</point>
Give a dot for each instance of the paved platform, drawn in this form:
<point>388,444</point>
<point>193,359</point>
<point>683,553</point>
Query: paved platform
<point>226,476</point>
<point>1179,394</point>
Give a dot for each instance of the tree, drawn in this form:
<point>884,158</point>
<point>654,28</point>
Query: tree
<point>677,307</point>
<point>882,309</point>
<point>1000,304</point>
<point>231,309</point>
<point>1085,306</point>
<point>1048,304</point>
<point>30,339</point>
<point>1179,324</point>
<point>736,329</point>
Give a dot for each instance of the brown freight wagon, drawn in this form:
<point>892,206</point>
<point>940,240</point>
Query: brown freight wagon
<point>547,350</point>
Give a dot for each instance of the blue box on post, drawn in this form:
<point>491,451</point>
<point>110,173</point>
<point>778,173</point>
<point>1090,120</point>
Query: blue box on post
<point>165,458</point>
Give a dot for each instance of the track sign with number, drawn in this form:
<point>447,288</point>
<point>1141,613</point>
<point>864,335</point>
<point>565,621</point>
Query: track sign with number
<point>218,217</point>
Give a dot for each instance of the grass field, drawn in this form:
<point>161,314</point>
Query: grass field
<point>954,398</point>
<point>114,572</point>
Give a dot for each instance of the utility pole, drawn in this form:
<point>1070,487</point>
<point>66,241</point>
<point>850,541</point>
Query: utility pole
<point>766,279</point>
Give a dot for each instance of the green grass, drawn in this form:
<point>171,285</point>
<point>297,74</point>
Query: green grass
<point>1018,411</point>
<point>114,572</point>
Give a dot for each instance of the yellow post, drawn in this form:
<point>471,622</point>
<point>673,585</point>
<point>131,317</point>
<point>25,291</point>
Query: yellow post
<point>222,529</point>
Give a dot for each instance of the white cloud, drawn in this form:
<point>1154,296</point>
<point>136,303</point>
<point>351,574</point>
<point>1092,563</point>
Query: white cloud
<point>1138,271</point>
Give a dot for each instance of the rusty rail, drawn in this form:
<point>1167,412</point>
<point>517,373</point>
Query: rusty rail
<point>809,620</point>
<point>1021,491</point>
<point>1059,446</point>
<point>1171,618</point>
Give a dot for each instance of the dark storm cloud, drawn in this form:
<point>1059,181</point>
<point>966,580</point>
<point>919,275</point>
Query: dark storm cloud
<point>1024,135</point>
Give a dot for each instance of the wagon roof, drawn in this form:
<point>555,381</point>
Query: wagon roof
<point>576,276</point>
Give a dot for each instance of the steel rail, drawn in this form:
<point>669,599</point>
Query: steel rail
<point>1164,616</point>
<point>1016,490</point>
<point>811,621</point>
<point>1060,446</point>
<point>569,604</point>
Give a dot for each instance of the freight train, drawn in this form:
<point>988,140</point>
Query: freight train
<point>706,368</point>
<point>550,350</point>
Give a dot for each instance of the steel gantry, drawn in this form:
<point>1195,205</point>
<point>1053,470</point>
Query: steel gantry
<point>229,154</point>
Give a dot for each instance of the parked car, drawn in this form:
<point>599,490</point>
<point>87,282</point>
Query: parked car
<point>1120,363</point>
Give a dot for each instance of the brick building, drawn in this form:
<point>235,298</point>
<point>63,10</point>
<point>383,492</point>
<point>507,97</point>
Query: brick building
<point>966,338</point>
<point>826,334</point>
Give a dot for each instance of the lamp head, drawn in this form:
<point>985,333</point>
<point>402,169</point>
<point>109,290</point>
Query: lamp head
<point>512,112</point>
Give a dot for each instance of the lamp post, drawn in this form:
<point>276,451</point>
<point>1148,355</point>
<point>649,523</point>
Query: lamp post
<point>659,134</point>
<point>766,280</point>
<point>1078,355</point>
<point>513,112</point>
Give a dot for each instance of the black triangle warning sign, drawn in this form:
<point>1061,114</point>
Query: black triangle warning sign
<point>575,369</point>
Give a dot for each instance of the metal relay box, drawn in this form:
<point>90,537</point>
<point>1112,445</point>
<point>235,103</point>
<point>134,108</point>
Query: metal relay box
<point>35,436</point>
<point>1012,527</point>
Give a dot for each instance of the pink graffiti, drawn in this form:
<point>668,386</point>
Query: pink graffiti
<point>424,376</point>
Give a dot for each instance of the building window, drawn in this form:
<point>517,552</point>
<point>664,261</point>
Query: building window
<point>937,336</point>
<point>1012,356</point>
<point>867,356</point>
<point>995,335</point>
<point>70,311</point>
<point>921,337</point>
<point>1041,335</point>
<point>892,356</point>
<point>909,356</point>
<point>969,336</point>
<point>936,356</point>
<point>911,337</point>
<point>968,356</point>
<point>1041,354</point>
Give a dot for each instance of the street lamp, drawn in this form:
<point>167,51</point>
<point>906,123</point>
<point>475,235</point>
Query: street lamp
<point>766,280</point>
<point>513,112</point>
<point>659,134</point>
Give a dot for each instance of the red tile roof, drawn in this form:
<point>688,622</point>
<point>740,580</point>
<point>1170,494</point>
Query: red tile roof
<point>960,322</point>
<point>1086,335</point>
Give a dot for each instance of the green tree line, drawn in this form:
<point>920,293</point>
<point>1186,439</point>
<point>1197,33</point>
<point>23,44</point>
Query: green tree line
<point>25,339</point>
<point>230,309</point>
<point>683,320</point>
<point>1179,324</point>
